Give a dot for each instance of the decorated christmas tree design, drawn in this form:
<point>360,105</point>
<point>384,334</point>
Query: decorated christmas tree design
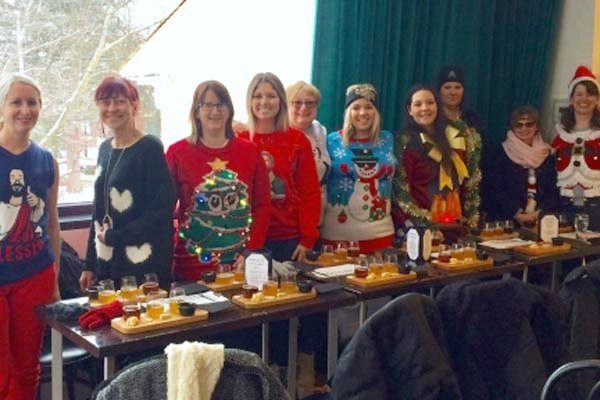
<point>219,218</point>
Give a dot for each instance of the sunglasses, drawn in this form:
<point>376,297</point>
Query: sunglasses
<point>530,124</point>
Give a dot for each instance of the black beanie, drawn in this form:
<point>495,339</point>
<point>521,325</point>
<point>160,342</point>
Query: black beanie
<point>450,74</point>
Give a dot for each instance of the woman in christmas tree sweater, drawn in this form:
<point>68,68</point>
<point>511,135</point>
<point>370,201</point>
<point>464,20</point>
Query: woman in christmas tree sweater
<point>294,188</point>
<point>134,196</point>
<point>432,184</point>
<point>222,187</point>
<point>577,145</point>
<point>359,188</point>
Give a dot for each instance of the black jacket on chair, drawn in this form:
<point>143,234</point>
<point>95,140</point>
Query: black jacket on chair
<point>399,353</point>
<point>504,337</point>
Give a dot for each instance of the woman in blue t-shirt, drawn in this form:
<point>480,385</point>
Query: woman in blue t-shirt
<point>29,236</point>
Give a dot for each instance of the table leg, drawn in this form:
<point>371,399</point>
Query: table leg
<point>292,356</point>
<point>57,365</point>
<point>362,312</point>
<point>555,275</point>
<point>110,366</point>
<point>332,342</point>
<point>525,273</point>
<point>265,343</point>
<point>432,292</point>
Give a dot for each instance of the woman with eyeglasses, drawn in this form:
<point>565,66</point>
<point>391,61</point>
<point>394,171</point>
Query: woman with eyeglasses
<point>294,187</point>
<point>359,188</point>
<point>432,185</point>
<point>524,179</point>
<point>29,236</point>
<point>132,215</point>
<point>304,100</point>
<point>222,188</point>
<point>577,146</point>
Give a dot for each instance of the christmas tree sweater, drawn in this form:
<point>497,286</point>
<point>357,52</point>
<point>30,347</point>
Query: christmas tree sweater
<point>224,203</point>
<point>294,187</point>
<point>359,192</point>
<point>134,189</point>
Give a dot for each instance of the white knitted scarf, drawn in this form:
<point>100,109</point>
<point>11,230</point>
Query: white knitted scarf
<point>193,370</point>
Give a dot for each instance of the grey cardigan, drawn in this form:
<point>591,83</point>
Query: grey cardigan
<point>244,377</point>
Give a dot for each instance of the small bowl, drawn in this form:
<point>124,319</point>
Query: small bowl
<point>209,276</point>
<point>304,286</point>
<point>558,241</point>
<point>313,255</point>
<point>481,255</point>
<point>403,268</point>
<point>186,309</point>
<point>92,292</point>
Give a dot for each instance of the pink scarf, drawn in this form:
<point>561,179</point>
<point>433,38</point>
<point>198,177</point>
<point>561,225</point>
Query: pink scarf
<point>521,153</point>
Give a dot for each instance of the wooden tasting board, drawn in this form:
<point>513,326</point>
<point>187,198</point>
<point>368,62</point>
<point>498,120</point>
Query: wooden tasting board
<point>320,263</point>
<point>146,324</point>
<point>499,237</point>
<point>475,264</point>
<point>221,287</point>
<point>543,251</point>
<point>162,294</point>
<point>276,301</point>
<point>391,278</point>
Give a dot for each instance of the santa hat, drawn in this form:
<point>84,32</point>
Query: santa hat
<point>582,74</point>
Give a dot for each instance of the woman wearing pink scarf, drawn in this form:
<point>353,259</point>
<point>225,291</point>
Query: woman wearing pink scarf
<point>523,182</point>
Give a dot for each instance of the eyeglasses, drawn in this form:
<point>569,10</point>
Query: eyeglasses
<point>529,124</point>
<point>212,106</point>
<point>309,104</point>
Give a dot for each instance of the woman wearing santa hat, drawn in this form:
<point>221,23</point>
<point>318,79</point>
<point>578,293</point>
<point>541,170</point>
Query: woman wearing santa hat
<point>577,145</point>
<point>359,187</point>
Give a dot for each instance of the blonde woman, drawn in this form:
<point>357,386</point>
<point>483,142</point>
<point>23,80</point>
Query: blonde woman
<point>295,196</point>
<point>359,187</point>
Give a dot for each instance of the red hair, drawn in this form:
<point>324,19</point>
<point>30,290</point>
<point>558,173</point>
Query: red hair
<point>112,86</point>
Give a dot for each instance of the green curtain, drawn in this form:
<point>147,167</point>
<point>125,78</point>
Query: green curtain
<point>503,46</point>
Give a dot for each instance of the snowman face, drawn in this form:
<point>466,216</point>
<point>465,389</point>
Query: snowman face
<point>365,169</point>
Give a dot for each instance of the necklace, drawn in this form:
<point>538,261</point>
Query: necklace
<point>107,220</point>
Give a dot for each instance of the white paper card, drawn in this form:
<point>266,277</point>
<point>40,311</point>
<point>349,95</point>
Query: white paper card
<point>257,270</point>
<point>548,228</point>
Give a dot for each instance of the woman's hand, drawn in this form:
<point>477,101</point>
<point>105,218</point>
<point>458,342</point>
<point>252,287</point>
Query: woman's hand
<point>101,234</point>
<point>524,218</point>
<point>239,262</point>
<point>86,280</point>
<point>300,253</point>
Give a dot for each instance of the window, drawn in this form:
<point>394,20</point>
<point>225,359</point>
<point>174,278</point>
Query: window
<point>167,47</point>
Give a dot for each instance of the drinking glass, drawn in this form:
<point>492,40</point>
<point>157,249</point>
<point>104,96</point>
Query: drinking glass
<point>582,223</point>
<point>129,289</point>
<point>469,249</point>
<point>224,274</point>
<point>341,251</point>
<point>361,268</point>
<point>353,249</point>
<point>107,291</point>
<point>288,283</point>
<point>376,265</point>
<point>327,254</point>
<point>509,226</point>
<point>150,284</point>
<point>390,263</point>
<point>176,295</point>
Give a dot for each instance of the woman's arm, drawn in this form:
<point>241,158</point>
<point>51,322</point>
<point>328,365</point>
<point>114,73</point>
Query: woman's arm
<point>54,226</point>
<point>261,205</point>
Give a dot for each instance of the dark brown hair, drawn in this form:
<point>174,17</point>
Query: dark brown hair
<point>221,92</point>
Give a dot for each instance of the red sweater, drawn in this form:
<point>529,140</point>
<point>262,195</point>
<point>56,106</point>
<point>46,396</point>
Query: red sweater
<point>189,163</point>
<point>295,191</point>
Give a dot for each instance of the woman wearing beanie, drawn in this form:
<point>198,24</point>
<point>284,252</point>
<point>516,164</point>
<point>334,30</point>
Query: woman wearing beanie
<point>577,145</point>
<point>295,194</point>
<point>433,183</point>
<point>359,187</point>
<point>524,175</point>
<point>451,88</point>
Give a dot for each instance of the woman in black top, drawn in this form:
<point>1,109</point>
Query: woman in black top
<point>134,196</point>
<point>524,178</point>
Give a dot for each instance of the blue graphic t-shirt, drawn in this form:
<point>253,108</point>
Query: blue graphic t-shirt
<point>25,180</point>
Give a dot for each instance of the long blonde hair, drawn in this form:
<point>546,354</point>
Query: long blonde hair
<point>360,91</point>
<point>281,119</point>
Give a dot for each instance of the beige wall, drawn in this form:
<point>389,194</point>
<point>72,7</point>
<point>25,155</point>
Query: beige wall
<point>575,46</point>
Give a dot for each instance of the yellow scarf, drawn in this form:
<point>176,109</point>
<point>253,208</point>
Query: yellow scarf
<point>457,142</point>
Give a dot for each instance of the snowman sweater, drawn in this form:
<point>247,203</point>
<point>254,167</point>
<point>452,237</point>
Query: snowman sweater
<point>139,198</point>
<point>359,192</point>
<point>190,165</point>
<point>294,187</point>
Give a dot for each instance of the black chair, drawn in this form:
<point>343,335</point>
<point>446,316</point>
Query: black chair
<point>570,370</point>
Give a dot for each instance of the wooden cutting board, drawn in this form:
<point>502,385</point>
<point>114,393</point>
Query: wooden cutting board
<point>463,266</point>
<point>221,287</point>
<point>384,280</point>
<point>147,324</point>
<point>543,249</point>
<point>272,302</point>
<point>328,263</point>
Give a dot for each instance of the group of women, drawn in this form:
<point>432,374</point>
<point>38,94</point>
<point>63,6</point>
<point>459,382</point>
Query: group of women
<point>280,183</point>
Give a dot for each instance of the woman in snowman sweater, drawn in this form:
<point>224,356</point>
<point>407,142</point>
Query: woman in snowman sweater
<point>359,186</point>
